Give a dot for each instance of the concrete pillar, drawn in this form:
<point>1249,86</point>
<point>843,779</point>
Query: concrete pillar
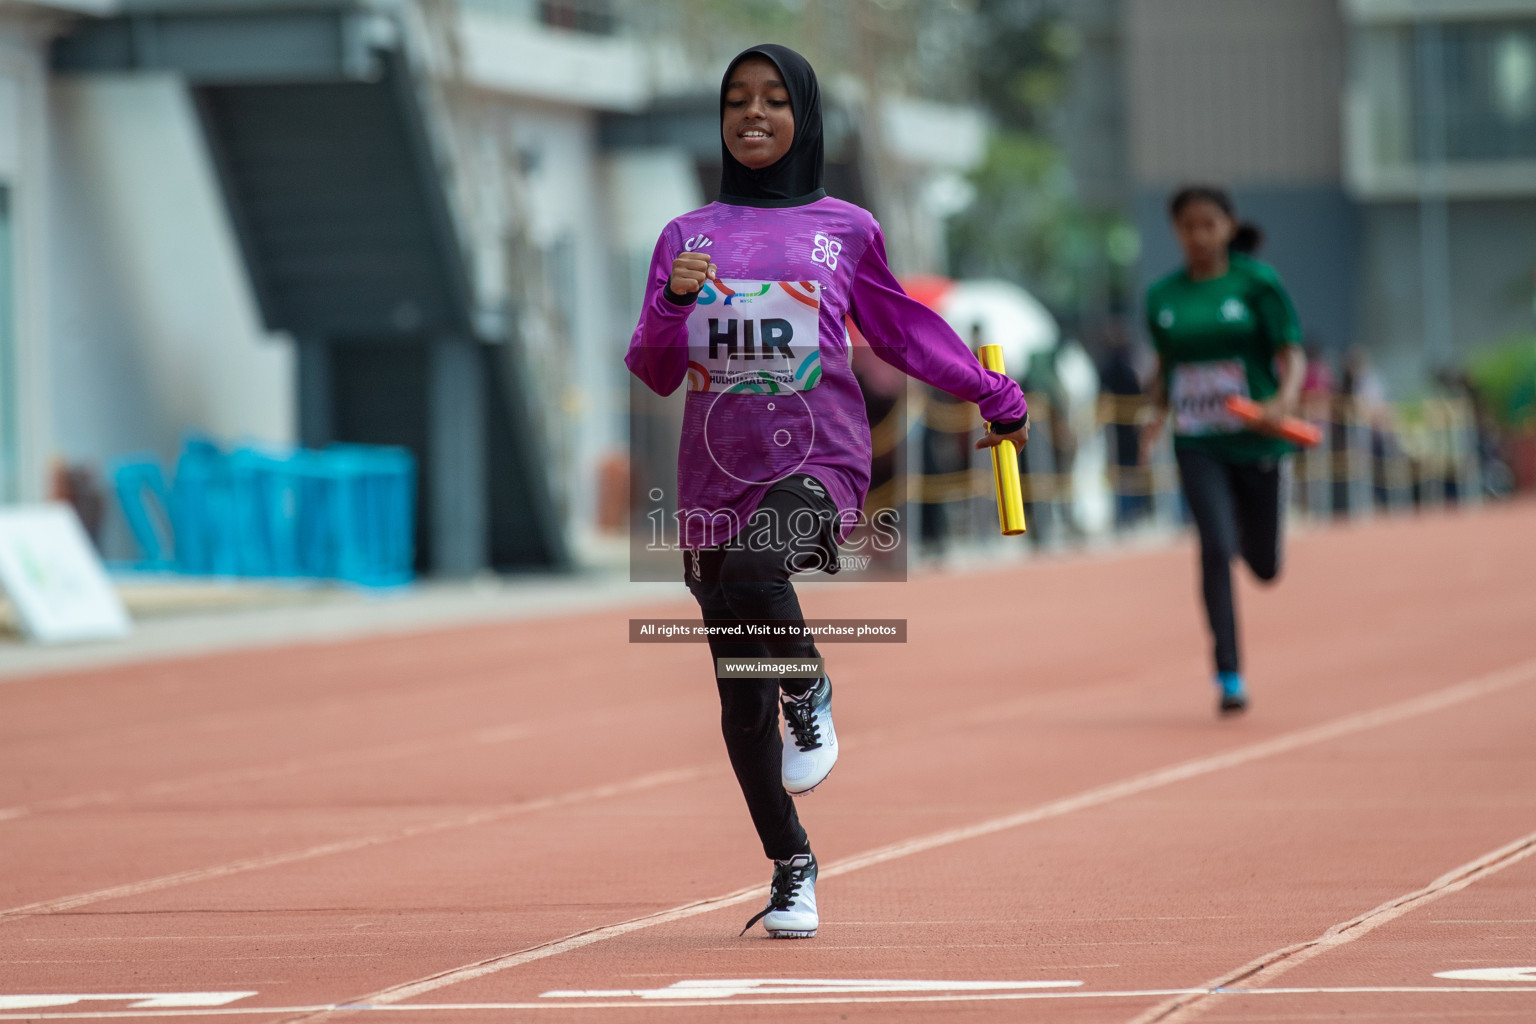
<point>316,428</point>
<point>456,485</point>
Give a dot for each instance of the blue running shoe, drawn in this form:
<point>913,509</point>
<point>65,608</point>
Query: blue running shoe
<point>1233,696</point>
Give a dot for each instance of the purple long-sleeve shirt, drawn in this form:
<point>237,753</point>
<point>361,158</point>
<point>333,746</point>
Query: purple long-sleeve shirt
<point>766,355</point>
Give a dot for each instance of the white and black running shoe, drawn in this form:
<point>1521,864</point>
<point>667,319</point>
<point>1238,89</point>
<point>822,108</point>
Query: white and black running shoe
<point>810,742</point>
<point>791,909</point>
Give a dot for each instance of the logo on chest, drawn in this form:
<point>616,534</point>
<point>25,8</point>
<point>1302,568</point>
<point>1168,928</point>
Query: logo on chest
<point>1233,311</point>
<point>826,250</point>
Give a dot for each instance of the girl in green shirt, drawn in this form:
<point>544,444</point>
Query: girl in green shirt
<point>1223,325</point>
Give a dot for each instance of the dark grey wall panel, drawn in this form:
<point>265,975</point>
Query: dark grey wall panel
<point>327,192</point>
<point>234,46</point>
<point>379,395</point>
<point>1243,90</point>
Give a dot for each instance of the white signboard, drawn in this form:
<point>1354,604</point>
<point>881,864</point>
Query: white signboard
<point>52,575</point>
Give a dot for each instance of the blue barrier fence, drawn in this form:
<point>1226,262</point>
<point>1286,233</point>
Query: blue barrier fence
<point>346,512</point>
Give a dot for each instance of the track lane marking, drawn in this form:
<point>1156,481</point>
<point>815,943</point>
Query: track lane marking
<point>984,714</point>
<point>501,812</point>
<point>1262,969</point>
<point>1011,708</point>
<point>281,769</point>
<point>727,988</point>
<point>1459,693</point>
<point>1490,974</point>
<point>680,1003</point>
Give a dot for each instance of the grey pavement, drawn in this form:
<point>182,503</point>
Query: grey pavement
<point>177,619</point>
<point>178,616</point>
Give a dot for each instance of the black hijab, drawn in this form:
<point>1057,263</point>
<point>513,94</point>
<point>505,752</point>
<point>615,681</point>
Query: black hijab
<point>795,178</point>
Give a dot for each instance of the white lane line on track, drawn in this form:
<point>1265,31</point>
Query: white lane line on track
<point>65,903</point>
<point>1257,972</point>
<point>282,769</point>
<point>1149,993</point>
<point>496,735</point>
<point>1438,700</point>
<point>976,715</point>
<point>491,814</point>
<point>731,988</point>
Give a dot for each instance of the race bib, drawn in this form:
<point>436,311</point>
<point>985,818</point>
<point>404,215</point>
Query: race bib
<point>1199,396</point>
<point>755,337</point>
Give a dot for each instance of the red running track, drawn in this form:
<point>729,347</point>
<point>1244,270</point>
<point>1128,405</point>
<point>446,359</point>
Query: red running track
<point>535,821</point>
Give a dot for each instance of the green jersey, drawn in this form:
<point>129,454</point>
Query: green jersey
<point>1218,338</point>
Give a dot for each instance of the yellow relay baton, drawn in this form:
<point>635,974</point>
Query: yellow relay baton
<point>1005,464</point>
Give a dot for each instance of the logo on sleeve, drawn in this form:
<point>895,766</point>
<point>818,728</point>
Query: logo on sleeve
<point>826,250</point>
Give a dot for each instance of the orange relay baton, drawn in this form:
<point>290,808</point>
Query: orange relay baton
<point>1290,428</point>
<point>1005,464</point>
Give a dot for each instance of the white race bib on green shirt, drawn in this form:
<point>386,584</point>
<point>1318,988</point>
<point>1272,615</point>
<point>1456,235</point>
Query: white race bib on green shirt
<point>1199,394</point>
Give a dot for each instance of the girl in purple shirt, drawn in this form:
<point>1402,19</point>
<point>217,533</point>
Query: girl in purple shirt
<point>746,301</point>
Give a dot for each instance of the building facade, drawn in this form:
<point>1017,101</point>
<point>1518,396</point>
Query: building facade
<point>412,222</point>
<point>1385,146</point>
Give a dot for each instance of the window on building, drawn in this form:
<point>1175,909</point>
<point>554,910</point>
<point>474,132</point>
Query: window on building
<point>1487,78</point>
<point>595,16</point>
<point>598,17</point>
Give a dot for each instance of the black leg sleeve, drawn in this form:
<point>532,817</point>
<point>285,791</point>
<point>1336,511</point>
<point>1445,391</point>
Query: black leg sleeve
<point>749,721</point>
<point>787,534</point>
<point>1260,517</point>
<point>1208,490</point>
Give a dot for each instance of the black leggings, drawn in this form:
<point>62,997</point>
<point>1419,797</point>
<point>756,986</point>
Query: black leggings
<point>1237,509</point>
<point>751,584</point>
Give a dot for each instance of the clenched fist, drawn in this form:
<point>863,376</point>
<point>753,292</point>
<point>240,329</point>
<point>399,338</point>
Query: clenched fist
<point>689,272</point>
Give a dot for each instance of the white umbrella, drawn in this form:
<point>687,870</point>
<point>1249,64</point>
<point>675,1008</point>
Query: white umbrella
<point>1007,315</point>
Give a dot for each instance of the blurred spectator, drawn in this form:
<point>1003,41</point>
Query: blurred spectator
<point>613,495</point>
<point>884,389</point>
<point>1119,379</point>
<point>1318,390</point>
<point>1496,474</point>
<point>946,452</point>
<point>1318,386</point>
<point>1363,386</point>
<point>1048,458</point>
<point>1364,400</point>
<point>79,487</point>
<point>946,458</point>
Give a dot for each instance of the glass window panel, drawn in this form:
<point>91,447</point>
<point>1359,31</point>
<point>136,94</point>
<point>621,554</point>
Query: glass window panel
<point>1487,81</point>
